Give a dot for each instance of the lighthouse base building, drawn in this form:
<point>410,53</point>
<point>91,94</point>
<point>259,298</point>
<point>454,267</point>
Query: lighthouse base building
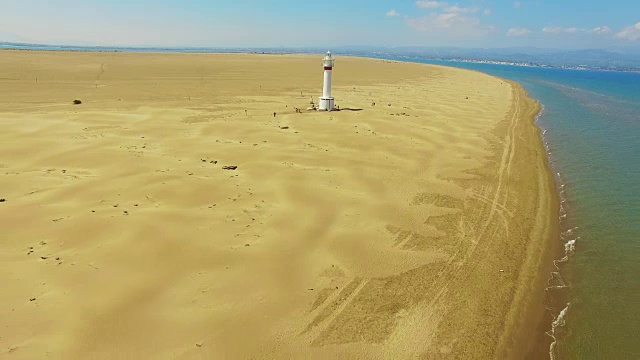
<point>327,102</point>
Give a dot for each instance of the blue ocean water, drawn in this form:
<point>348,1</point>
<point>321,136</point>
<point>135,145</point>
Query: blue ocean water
<point>591,125</point>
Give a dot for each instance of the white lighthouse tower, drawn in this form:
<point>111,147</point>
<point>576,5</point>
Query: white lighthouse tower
<point>326,101</point>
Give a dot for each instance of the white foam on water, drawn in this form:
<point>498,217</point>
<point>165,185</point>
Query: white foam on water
<point>558,322</point>
<point>568,236</point>
<point>556,282</point>
<point>570,246</point>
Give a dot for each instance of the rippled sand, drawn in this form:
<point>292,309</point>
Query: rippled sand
<point>415,227</point>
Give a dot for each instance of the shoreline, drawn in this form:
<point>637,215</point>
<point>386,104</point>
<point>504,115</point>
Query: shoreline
<point>454,181</point>
<point>558,299</point>
<point>534,306</point>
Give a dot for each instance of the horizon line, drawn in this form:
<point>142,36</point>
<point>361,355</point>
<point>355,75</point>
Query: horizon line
<point>303,47</point>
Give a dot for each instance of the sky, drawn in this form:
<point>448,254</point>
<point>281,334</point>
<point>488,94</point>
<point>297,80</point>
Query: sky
<point>573,24</point>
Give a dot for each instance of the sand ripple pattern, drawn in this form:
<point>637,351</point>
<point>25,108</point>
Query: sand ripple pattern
<point>415,228</point>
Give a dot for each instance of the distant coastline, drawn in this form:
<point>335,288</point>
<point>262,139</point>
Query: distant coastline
<point>478,56</point>
<point>526,64</point>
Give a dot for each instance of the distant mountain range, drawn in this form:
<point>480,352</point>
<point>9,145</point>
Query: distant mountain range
<point>614,58</point>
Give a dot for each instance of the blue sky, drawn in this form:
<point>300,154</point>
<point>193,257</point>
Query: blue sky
<point>268,23</point>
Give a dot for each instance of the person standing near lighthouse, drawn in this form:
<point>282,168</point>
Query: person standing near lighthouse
<point>327,102</point>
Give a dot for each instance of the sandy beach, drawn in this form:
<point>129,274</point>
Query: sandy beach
<point>418,227</point>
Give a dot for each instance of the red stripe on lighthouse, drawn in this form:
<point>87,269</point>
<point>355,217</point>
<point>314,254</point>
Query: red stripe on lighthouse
<point>328,68</point>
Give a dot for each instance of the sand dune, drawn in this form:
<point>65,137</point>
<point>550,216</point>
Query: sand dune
<point>415,229</point>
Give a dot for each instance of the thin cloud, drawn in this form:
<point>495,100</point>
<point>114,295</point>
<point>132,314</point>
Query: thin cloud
<point>575,30</point>
<point>601,30</point>
<point>552,29</point>
<point>631,33</point>
<point>453,24</point>
<point>453,21</point>
<point>458,9</point>
<point>392,13</point>
<point>518,32</point>
<point>560,29</point>
<point>430,4</point>
<point>487,11</point>
<point>517,4</point>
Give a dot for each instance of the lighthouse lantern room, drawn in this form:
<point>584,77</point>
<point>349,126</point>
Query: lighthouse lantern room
<point>326,101</point>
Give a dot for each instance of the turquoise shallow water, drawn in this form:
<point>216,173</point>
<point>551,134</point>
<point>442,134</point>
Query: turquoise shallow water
<point>591,124</point>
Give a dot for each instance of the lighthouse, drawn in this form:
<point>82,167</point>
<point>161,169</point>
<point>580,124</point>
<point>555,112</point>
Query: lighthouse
<point>326,101</point>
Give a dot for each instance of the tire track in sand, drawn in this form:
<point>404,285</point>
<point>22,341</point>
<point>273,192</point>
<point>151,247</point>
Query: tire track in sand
<point>332,307</point>
<point>454,266</point>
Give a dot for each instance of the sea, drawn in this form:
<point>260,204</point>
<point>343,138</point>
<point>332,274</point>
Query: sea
<point>590,125</point>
